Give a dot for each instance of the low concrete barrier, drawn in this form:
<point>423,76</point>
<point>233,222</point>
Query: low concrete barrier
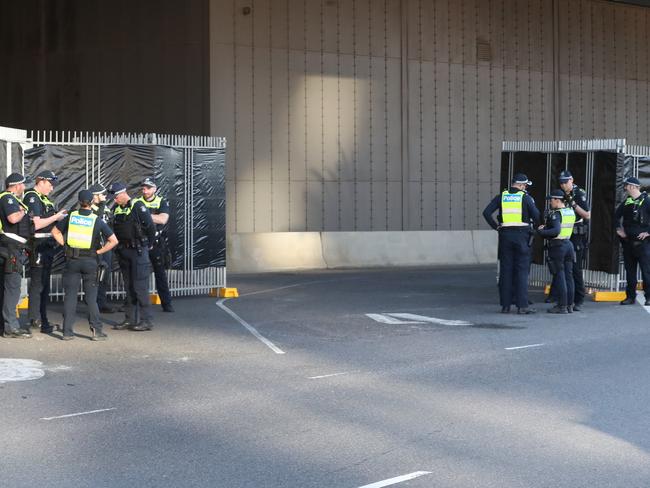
<point>286,251</point>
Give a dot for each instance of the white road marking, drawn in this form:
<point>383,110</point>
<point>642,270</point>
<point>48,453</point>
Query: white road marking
<point>640,298</point>
<point>269,290</point>
<point>12,369</point>
<point>327,375</point>
<point>249,327</point>
<point>398,479</point>
<point>523,347</point>
<point>385,319</point>
<point>433,320</point>
<point>78,414</point>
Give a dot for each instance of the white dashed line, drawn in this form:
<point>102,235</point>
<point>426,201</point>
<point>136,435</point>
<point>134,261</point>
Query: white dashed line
<point>326,376</point>
<point>523,347</point>
<point>78,414</point>
<point>398,479</point>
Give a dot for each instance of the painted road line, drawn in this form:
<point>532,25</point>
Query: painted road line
<point>269,290</point>
<point>328,375</point>
<point>523,347</point>
<point>78,414</point>
<point>249,327</point>
<point>398,479</point>
<point>433,320</point>
<point>13,369</point>
<point>640,298</point>
<point>385,319</point>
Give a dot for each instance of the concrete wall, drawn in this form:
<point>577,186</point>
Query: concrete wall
<point>281,251</point>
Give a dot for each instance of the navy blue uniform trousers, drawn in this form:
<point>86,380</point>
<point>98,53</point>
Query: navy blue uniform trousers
<point>514,265</point>
<point>636,254</point>
<point>562,255</point>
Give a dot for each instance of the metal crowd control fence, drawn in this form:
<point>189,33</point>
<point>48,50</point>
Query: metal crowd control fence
<point>190,279</point>
<point>585,156</point>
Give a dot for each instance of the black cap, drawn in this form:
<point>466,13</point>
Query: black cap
<point>521,178</point>
<point>555,194</point>
<point>565,176</point>
<point>632,181</point>
<point>150,182</point>
<point>47,175</point>
<point>85,196</point>
<point>97,189</point>
<point>117,188</point>
<point>14,179</point>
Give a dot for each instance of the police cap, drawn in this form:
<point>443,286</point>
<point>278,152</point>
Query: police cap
<point>47,175</point>
<point>97,189</point>
<point>565,176</point>
<point>85,196</point>
<point>150,182</point>
<point>555,194</point>
<point>632,181</point>
<point>521,178</point>
<point>14,179</point>
<point>117,188</point>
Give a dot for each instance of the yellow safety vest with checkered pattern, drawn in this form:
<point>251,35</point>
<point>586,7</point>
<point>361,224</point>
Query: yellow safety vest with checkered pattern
<point>512,209</point>
<point>81,230</point>
<point>19,202</point>
<point>568,220</point>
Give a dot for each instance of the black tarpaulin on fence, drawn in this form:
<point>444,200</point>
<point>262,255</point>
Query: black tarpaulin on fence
<point>169,166</point>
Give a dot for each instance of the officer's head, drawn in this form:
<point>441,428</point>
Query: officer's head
<point>118,190</point>
<point>521,182</point>
<point>566,181</point>
<point>45,181</point>
<point>148,188</point>
<point>15,183</point>
<point>632,186</point>
<point>99,193</point>
<point>556,199</point>
<point>85,198</point>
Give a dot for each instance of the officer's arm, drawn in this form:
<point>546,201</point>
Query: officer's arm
<point>581,207</point>
<point>40,222</point>
<point>552,227</point>
<point>111,242</point>
<point>488,213</point>
<point>16,217</point>
<point>533,211</point>
<point>146,222</point>
<point>160,219</point>
<point>58,236</point>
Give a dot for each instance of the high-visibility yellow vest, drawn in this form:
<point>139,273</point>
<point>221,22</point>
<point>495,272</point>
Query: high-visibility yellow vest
<point>568,220</point>
<point>118,210</point>
<point>17,199</point>
<point>512,209</point>
<point>153,204</point>
<point>81,230</point>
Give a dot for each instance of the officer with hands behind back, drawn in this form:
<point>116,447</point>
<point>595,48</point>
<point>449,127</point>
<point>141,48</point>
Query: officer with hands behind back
<point>634,233</point>
<point>159,209</point>
<point>15,230</point>
<point>135,230</point>
<point>516,211</point>
<point>86,237</point>
<point>561,255</point>
<point>101,209</point>
<point>44,215</point>
<point>575,198</point>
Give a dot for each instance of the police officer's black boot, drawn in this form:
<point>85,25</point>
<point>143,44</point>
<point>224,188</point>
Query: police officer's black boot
<point>35,324</point>
<point>97,334</point>
<point>558,309</point>
<point>627,301</point>
<point>125,324</point>
<point>146,324</point>
<point>167,307</point>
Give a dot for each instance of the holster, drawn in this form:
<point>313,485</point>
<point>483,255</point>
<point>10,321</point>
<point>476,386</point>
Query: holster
<point>102,272</point>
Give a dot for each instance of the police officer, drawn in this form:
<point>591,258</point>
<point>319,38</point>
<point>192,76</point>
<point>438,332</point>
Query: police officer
<point>516,211</point>
<point>135,230</point>
<point>576,199</point>
<point>101,209</point>
<point>159,209</point>
<point>86,238</point>
<point>15,230</point>
<point>634,233</point>
<point>557,230</point>
<point>44,215</point>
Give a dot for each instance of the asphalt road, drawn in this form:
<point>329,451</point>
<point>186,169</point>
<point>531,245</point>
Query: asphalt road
<point>452,395</point>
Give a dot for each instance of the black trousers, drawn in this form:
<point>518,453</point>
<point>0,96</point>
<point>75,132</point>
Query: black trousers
<point>39,281</point>
<point>562,257</point>
<point>77,269</point>
<point>135,269</point>
<point>636,254</point>
<point>580,248</point>
<point>158,264</point>
<point>514,266</point>
<point>9,296</point>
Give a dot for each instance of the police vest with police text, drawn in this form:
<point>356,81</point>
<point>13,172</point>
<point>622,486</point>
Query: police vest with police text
<point>512,209</point>
<point>568,221</point>
<point>81,231</point>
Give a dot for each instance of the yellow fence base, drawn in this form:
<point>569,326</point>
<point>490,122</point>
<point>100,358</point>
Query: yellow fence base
<point>155,299</point>
<point>609,296</point>
<point>226,292</point>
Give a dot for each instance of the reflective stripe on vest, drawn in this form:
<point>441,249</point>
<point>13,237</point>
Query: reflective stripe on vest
<point>80,230</point>
<point>512,205</point>
<point>17,199</point>
<point>568,220</point>
<point>49,204</point>
<point>153,204</point>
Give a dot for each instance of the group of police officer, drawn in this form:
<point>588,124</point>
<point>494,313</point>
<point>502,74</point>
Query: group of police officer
<point>566,234</point>
<point>32,231</point>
